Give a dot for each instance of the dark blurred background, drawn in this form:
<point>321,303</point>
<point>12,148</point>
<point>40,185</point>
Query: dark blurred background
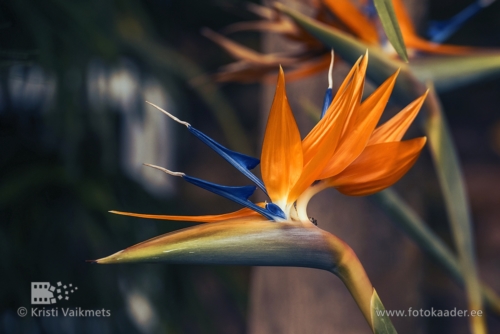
<point>74,132</point>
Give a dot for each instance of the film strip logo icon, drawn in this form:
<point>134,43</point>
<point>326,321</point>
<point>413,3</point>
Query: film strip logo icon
<point>44,293</point>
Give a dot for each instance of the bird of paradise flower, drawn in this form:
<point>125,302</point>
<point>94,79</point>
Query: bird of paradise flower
<point>345,150</point>
<point>313,57</point>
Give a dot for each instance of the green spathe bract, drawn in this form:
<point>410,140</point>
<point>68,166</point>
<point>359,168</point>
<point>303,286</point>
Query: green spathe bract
<point>257,242</point>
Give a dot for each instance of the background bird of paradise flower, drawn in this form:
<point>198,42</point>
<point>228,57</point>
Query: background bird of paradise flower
<point>310,55</point>
<point>63,164</point>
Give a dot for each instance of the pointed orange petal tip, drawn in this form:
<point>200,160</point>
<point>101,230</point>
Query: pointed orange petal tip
<point>395,128</point>
<point>240,214</point>
<point>426,93</point>
<point>281,157</point>
<point>281,75</point>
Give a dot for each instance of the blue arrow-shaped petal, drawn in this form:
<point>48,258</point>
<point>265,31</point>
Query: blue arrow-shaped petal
<point>328,94</point>
<point>240,161</point>
<point>326,102</point>
<point>239,195</point>
<point>439,31</point>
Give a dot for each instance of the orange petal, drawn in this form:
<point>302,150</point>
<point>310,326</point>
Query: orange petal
<point>378,167</point>
<point>358,134</point>
<point>245,212</point>
<point>281,159</point>
<point>280,27</point>
<point>395,128</point>
<point>354,19</point>
<point>329,131</point>
<point>359,83</point>
<point>417,43</point>
<point>309,68</point>
<point>248,72</point>
<point>375,100</point>
<point>313,139</point>
<point>343,87</point>
<point>243,71</point>
<point>413,41</point>
<point>404,20</point>
<point>242,52</point>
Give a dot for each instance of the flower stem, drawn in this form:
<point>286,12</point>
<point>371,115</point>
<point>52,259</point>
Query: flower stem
<point>351,272</point>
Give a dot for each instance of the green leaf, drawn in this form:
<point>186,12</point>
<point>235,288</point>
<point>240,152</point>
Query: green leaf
<point>390,24</point>
<point>408,220</point>
<point>457,205</point>
<point>448,73</point>
<point>381,322</point>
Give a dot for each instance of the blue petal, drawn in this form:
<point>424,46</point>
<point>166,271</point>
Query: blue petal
<point>370,10</point>
<point>326,102</point>
<point>237,194</point>
<point>240,161</point>
<point>439,31</point>
<point>275,210</point>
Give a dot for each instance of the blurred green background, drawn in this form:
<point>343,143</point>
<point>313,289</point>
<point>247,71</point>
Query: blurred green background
<point>74,131</point>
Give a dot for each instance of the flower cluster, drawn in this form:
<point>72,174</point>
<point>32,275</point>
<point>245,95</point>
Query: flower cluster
<point>358,20</point>
<point>345,150</point>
